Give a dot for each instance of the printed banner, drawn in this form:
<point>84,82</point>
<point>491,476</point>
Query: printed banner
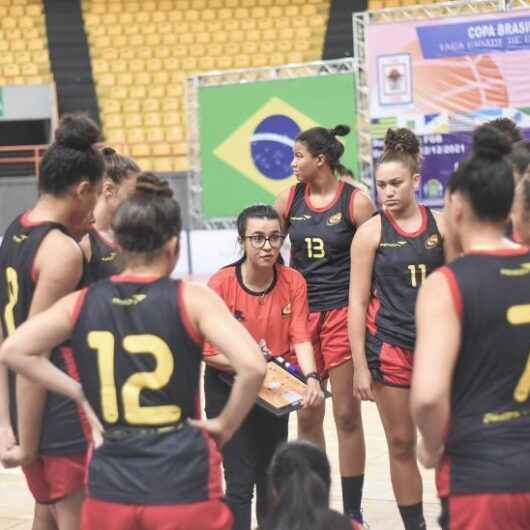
<point>449,66</point>
<point>247,133</point>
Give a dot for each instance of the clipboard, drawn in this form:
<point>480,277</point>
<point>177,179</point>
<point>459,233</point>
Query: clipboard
<point>281,392</point>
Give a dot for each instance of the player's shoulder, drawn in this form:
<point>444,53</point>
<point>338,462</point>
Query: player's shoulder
<point>371,227</point>
<point>290,275</point>
<point>223,277</point>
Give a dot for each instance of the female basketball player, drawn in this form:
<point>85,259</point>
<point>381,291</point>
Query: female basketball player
<point>322,214</point>
<point>270,300</point>
<point>471,379</point>
<point>118,184</point>
<point>137,339</point>
<point>300,479</point>
<point>39,263</point>
<point>391,256</point>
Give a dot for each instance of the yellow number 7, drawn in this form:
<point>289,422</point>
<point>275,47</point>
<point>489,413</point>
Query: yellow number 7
<point>519,315</point>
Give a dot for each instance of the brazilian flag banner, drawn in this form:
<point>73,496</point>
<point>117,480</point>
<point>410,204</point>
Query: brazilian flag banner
<point>247,133</point>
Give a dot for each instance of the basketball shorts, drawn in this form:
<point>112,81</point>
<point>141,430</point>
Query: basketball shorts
<point>53,477</point>
<point>206,515</point>
<point>486,511</point>
<point>389,364</point>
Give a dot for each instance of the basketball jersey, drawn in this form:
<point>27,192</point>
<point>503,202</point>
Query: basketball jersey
<point>139,362</point>
<point>487,448</point>
<point>61,428</point>
<point>105,259</point>
<point>320,244</point>
<point>401,264</point>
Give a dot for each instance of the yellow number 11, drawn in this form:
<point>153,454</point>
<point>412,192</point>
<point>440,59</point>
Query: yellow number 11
<point>413,274</point>
<point>519,315</point>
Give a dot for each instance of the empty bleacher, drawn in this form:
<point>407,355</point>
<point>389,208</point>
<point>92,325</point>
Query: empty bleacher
<point>142,52</point>
<point>23,45</point>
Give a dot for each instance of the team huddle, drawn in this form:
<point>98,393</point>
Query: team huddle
<point>425,313</point>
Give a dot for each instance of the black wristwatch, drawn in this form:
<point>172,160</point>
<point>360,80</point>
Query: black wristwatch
<point>314,375</point>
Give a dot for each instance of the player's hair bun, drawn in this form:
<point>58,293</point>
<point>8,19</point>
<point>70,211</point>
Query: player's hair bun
<point>108,151</point>
<point>77,131</point>
<point>490,143</point>
<point>149,184</point>
<point>340,130</point>
<point>402,141</point>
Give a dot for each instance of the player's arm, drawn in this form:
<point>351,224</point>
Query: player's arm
<point>281,205</point>
<point>25,353</point>
<point>361,208</point>
<point>86,247</point>
<point>300,339</point>
<point>363,248</point>
<point>7,437</point>
<point>438,334</point>
<point>451,249</point>
<point>59,265</point>
<point>213,320</point>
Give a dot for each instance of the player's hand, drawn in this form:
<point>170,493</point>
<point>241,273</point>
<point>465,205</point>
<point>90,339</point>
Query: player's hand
<point>429,458</point>
<point>362,384</point>
<point>15,457</point>
<point>313,394</point>
<point>265,349</point>
<point>216,428</point>
<point>95,425</point>
<point>7,439</point>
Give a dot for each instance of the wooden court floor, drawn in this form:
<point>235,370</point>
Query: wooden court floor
<point>379,506</point>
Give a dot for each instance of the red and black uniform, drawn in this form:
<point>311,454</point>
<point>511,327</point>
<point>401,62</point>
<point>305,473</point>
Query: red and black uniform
<point>402,262</point>
<point>320,251</point>
<point>59,469</point>
<point>138,358</point>
<point>277,317</point>
<point>105,259</point>
<point>484,477</point>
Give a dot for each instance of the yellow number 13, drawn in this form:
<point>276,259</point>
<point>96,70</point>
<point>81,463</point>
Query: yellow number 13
<point>315,247</point>
<point>103,343</point>
<point>519,315</point>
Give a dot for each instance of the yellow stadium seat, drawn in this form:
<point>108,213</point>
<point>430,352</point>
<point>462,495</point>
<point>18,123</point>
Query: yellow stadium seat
<point>100,66</point>
<point>114,7</point>
<point>174,90</point>
<point>208,14</point>
<point>135,136</point>
<point>152,119</point>
<point>113,120</point>
<point>131,105</point>
<point>180,148</point>
<point>135,40</point>
<point>11,70</point>
<point>16,11</point>
<point>189,63</point>
<point>138,92</point>
<point>181,164</point>
<point>153,40</point>
<point>171,64</point>
<point>7,58</point>
<point>277,58</point>
<point>34,10</point>
<point>109,106</point>
<point>143,79</point>
<point>29,70</point>
<point>171,118</point>
<point>173,134</point>
<point>140,150</point>
<point>146,164</point>
<point>192,15</point>
<point>20,45</point>
<point>250,48</point>
<point>162,164</point>
<point>160,78</point>
<point>224,62</point>
<point>166,5</point>
<point>154,134</point>
<point>109,19</point>
<point>156,91</point>
<point>248,24</point>
<point>154,65</point>
<point>161,149</point>
<point>224,14</point>
<point>206,63</point>
<point>242,61</point>
<point>170,39</point>
<point>133,120</point>
<point>115,136</point>
<point>144,53</point>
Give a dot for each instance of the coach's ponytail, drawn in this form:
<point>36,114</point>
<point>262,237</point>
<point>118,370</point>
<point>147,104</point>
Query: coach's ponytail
<point>300,480</point>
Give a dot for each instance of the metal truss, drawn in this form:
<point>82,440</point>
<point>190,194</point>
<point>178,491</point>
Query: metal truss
<point>230,77</point>
<point>398,14</point>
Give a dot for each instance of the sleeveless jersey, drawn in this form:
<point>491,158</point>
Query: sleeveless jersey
<point>105,259</point>
<point>139,366</point>
<point>402,262</point>
<point>487,449</point>
<point>61,427</point>
<point>320,245</point>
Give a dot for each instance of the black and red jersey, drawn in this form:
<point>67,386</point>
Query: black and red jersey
<point>487,449</point>
<point>138,358</point>
<point>105,259</point>
<point>61,428</point>
<point>320,244</point>
<point>402,262</point>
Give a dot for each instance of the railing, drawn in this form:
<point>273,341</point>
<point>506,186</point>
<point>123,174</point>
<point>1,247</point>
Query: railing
<point>8,156</point>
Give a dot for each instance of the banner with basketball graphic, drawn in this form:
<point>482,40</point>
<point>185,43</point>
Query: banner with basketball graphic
<point>247,133</point>
<point>444,77</point>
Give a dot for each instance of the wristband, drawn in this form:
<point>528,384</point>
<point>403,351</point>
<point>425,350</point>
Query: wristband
<point>313,375</point>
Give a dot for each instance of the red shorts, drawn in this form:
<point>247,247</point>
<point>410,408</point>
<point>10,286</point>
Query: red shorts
<point>486,511</point>
<point>207,515</point>
<point>52,477</point>
<point>329,335</point>
<point>389,364</point>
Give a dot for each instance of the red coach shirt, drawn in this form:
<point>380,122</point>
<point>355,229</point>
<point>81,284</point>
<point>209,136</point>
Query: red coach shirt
<point>278,316</point>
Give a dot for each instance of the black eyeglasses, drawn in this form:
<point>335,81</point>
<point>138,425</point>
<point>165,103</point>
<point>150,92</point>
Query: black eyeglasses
<point>259,240</point>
